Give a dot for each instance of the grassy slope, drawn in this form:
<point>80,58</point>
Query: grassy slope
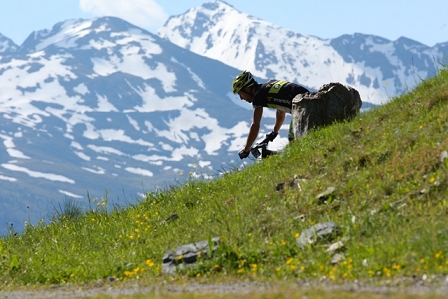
<point>390,201</point>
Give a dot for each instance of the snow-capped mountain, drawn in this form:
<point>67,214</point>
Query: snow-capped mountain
<point>6,45</point>
<point>376,67</point>
<point>101,104</point>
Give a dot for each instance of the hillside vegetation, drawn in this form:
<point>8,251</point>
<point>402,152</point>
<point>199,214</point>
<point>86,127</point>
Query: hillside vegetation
<point>388,168</point>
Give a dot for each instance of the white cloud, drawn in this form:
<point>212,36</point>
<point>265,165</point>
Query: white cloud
<point>147,14</point>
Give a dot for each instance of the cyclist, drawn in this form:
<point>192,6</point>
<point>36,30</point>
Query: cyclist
<point>276,94</point>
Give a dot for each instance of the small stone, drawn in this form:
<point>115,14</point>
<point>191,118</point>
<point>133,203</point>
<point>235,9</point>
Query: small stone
<point>325,196</point>
<point>443,156</point>
<point>335,246</point>
<point>300,217</point>
<point>337,258</point>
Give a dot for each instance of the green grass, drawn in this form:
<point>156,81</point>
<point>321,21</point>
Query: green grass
<point>390,201</point>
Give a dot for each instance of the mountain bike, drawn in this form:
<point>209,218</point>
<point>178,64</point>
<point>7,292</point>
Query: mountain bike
<point>260,149</point>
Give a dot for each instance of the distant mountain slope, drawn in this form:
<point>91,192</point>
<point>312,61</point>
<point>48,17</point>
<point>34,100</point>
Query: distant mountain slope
<point>6,45</point>
<point>377,67</point>
<point>101,104</point>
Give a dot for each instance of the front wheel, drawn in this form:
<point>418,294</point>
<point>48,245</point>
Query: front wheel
<point>266,153</point>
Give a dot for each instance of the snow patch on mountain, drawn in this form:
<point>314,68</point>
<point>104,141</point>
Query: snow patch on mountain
<point>37,174</point>
<point>8,142</point>
<point>71,195</point>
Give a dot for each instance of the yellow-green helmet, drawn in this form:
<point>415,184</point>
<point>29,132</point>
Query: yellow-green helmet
<point>245,79</point>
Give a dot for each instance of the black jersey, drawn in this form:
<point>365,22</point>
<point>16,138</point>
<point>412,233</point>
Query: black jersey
<point>277,94</point>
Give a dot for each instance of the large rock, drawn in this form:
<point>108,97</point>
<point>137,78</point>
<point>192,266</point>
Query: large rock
<point>324,232</point>
<point>187,255</point>
<point>332,102</point>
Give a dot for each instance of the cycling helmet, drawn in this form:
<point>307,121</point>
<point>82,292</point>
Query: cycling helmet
<point>245,79</point>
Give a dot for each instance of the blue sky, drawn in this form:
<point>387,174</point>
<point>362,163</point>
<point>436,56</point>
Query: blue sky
<point>423,21</point>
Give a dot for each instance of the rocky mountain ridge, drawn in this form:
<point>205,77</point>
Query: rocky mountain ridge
<point>376,67</point>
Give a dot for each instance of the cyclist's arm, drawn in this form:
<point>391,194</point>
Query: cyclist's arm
<point>279,119</point>
<point>254,128</point>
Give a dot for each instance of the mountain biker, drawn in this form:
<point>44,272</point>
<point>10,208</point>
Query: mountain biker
<point>276,94</point>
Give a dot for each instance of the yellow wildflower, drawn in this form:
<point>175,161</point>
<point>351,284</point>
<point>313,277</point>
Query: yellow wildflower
<point>150,263</point>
